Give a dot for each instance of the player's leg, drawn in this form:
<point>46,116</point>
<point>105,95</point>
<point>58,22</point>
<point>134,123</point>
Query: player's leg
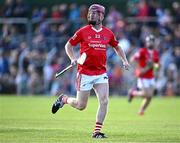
<point>146,90</point>
<point>135,93</point>
<point>80,102</point>
<point>140,92</point>
<point>148,87</point>
<point>102,92</point>
<point>147,99</point>
<point>84,85</point>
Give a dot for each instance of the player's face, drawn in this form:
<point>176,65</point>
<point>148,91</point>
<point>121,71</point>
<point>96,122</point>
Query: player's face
<point>150,44</point>
<point>95,17</point>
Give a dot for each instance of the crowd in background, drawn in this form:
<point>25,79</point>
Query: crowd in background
<point>30,59</point>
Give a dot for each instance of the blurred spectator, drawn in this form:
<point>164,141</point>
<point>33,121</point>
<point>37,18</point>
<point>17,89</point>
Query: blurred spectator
<point>83,12</point>
<point>15,8</point>
<point>36,14</point>
<point>153,4</point>
<point>166,58</point>
<point>176,11</point>
<point>48,71</point>
<point>74,12</point>
<point>112,19</point>
<point>35,82</point>
<point>177,57</point>
<point>23,63</point>
<point>63,10</point>
<point>143,9</point>
<point>4,63</point>
<point>125,44</point>
<point>164,17</point>
<point>21,9</point>
<point>171,83</point>
<point>44,13</point>
<point>44,29</point>
<point>132,8</point>
<point>115,80</point>
<point>176,38</point>
<point>8,8</point>
<point>55,12</point>
<point>178,86</point>
<point>74,15</point>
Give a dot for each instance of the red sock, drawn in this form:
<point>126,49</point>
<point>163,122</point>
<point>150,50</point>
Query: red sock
<point>98,127</point>
<point>64,99</point>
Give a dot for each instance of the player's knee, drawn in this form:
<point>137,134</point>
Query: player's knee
<point>149,94</point>
<point>81,107</point>
<point>104,101</point>
<point>148,97</point>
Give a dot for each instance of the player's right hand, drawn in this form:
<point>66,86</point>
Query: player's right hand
<point>74,62</point>
<point>126,65</point>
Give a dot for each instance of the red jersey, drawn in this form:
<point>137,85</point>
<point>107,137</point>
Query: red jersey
<point>94,43</point>
<point>143,56</point>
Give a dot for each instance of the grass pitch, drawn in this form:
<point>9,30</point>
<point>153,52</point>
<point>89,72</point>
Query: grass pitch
<point>29,120</point>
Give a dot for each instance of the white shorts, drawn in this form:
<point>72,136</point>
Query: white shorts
<point>86,82</point>
<point>145,83</point>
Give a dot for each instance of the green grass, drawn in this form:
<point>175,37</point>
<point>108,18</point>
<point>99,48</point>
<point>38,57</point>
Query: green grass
<point>29,120</point>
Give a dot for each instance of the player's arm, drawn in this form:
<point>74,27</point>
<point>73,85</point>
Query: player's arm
<point>156,65</point>
<point>135,58</point>
<point>72,42</point>
<point>150,65</point>
<point>119,51</point>
<point>70,52</point>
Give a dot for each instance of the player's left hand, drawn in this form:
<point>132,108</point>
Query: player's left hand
<point>126,65</point>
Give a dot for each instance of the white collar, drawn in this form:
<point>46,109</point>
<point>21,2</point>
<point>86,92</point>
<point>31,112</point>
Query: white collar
<point>96,29</point>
